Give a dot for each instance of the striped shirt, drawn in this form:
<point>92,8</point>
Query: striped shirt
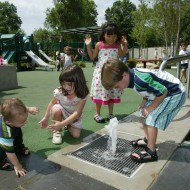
<point>6,139</point>
<point>154,83</point>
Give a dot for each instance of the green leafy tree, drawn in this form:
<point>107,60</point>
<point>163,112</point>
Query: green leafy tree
<point>171,20</point>
<point>41,35</point>
<point>166,19</point>
<point>48,40</point>
<point>184,34</point>
<point>10,21</point>
<point>142,24</point>
<point>162,22</point>
<point>71,14</point>
<point>121,12</point>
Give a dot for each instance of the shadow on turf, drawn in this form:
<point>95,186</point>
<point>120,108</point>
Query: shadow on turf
<point>7,92</point>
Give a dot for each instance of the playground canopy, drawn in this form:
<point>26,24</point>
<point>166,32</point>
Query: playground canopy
<point>86,30</point>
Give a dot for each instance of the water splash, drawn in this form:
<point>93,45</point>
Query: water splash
<point>112,131</point>
<point>126,170</point>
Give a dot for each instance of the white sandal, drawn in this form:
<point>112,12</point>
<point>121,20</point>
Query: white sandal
<point>99,118</point>
<point>57,138</point>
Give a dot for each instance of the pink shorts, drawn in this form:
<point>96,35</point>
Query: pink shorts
<point>76,123</point>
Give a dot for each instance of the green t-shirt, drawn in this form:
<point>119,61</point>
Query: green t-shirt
<point>6,139</point>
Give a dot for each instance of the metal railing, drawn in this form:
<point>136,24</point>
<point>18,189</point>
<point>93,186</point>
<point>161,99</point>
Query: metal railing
<point>177,59</point>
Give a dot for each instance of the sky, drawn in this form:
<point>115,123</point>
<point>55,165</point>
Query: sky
<point>32,13</point>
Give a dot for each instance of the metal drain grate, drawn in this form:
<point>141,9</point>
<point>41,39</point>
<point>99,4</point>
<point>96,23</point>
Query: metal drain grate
<point>97,153</point>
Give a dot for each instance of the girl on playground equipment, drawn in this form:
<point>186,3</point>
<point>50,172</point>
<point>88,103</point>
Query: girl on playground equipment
<point>67,104</point>
<point>110,45</point>
<point>68,57</point>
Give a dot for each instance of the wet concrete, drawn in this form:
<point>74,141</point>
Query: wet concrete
<point>44,174</point>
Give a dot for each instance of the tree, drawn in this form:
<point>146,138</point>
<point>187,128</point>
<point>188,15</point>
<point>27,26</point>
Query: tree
<point>10,21</point>
<point>71,14</point>
<point>41,35</point>
<point>172,20</point>
<point>142,24</point>
<point>166,19</point>
<point>121,12</point>
<point>185,22</point>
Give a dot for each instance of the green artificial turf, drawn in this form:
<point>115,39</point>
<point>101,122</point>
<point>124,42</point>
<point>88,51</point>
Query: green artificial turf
<point>35,89</point>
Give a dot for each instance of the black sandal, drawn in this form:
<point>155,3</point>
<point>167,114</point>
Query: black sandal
<point>135,143</point>
<point>146,156</point>
<point>5,166</point>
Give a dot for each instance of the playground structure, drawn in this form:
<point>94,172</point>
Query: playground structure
<point>45,56</point>
<point>7,45</point>
<point>16,48</point>
<point>38,60</point>
<point>80,47</point>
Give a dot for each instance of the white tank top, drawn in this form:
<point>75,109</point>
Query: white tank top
<point>68,60</point>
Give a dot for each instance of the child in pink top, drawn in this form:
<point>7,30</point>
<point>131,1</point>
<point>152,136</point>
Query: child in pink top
<point>108,47</point>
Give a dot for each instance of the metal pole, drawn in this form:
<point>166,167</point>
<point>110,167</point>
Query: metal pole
<point>188,80</point>
<point>178,70</point>
<point>176,59</point>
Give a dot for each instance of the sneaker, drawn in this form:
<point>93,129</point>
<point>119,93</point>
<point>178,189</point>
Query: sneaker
<point>57,138</point>
<point>99,118</point>
<point>111,116</point>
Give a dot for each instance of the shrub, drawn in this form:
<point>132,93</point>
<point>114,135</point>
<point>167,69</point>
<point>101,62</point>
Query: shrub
<point>131,63</point>
<point>81,64</point>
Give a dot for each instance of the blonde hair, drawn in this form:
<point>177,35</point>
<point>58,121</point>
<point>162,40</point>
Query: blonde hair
<point>10,108</point>
<point>67,48</point>
<point>112,73</point>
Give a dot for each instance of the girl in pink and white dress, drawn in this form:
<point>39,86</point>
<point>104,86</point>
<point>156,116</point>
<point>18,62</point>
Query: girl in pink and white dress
<point>108,47</point>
